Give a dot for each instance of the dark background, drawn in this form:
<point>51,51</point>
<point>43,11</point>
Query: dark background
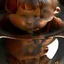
<point>2,44</point>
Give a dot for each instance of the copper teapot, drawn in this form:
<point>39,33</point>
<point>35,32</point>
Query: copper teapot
<point>28,28</point>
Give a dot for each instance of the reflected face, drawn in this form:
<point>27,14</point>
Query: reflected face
<point>33,23</point>
<point>32,20</point>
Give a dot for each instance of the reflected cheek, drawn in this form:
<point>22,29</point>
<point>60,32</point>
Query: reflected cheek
<point>41,23</point>
<point>17,21</point>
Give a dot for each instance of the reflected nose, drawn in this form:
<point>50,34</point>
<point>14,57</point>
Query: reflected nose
<point>30,21</point>
<point>30,24</point>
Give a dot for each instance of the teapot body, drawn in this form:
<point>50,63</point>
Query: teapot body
<point>27,50</point>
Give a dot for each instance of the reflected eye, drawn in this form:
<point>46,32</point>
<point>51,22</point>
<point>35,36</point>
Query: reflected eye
<point>23,15</point>
<point>35,16</point>
<point>47,11</point>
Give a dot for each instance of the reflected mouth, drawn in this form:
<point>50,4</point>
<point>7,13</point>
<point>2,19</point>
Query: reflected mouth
<point>30,30</point>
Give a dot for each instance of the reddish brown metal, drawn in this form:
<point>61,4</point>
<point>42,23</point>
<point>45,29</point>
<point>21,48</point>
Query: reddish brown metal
<point>24,25</point>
